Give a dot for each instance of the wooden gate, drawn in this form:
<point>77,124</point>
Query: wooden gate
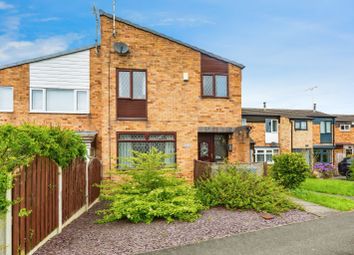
<point>94,178</point>
<point>74,188</point>
<point>35,212</point>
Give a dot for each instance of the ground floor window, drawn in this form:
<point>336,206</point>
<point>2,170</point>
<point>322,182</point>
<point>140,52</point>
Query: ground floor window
<point>349,151</point>
<point>306,153</point>
<point>144,142</point>
<point>265,154</point>
<point>323,155</point>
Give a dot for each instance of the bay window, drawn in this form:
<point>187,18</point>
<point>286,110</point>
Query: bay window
<point>50,100</point>
<point>144,142</point>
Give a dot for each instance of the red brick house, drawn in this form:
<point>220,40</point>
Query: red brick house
<point>137,89</point>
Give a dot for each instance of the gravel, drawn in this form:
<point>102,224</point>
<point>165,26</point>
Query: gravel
<point>84,236</point>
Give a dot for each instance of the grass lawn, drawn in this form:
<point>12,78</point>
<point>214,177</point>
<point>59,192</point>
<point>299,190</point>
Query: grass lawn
<point>329,186</point>
<point>331,201</point>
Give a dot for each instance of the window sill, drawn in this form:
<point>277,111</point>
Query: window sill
<point>61,113</point>
<point>212,97</point>
<point>131,119</point>
<point>7,111</point>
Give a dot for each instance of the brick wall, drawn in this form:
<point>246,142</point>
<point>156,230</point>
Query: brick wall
<point>285,135</point>
<point>173,105</point>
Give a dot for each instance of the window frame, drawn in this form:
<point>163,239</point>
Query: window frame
<point>13,97</point>
<point>131,76</point>
<point>347,125</point>
<point>327,129</point>
<point>300,123</point>
<point>264,151</point>
<point>146,136</point>
<point>44,101</point>
<point>214,85</point>
<point>272,121</point>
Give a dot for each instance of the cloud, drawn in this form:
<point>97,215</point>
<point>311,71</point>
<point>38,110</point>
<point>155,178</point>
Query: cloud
<point>183,21</point>
<point>43,20</point>
<point>5,6</point>
<point>12,50</point>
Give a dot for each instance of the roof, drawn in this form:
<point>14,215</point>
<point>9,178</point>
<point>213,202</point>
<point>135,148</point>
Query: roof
<point>345,118</point>
<point>289,113</point>
<point>55,55</point>
<point>103,13</point>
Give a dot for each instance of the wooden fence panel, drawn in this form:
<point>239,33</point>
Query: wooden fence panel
<point>35,190</point>
<point>74,188</point>
<point>94,178</point>
<point>202,170</point>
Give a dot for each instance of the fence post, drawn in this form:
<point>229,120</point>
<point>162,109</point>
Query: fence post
<point>8,225</point>
<point>60,199</point>
<point>87,183</point>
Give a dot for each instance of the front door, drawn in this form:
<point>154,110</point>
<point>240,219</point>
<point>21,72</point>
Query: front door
<point>206,147</point>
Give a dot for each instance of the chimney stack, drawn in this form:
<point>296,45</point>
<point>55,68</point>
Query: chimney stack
<point>314,107</point>
<point>264,106</point>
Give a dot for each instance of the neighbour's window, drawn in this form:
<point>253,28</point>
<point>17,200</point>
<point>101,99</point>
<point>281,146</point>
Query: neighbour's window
<point>144,142</point>
<point>326,127</point>
<point>215,85</point>
<point>244,122</point>
<point>59,100</point>
<point>345,127</point>
<point>300,125</point>
<point>271,126</point>
<point>265,154</point>
<point>6,99</point>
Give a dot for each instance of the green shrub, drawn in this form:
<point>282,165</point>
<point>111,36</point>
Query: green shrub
<point>150,189</point>
<point>350,175</point>
<point>290,170</point>
<point>235,188</point>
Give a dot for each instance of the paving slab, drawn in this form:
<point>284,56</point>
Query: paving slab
<point>314,208</point>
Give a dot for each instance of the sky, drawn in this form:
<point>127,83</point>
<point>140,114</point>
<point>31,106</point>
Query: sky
<point>288,47</point>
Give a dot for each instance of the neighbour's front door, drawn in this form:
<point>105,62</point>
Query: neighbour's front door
<point>206,147</point>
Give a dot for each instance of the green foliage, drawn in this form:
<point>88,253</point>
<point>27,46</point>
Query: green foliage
<point>236,188</point>
<point>350,175</point>
<point>331,201</point>
<point>150,189</point>
<point>330,186</point>
<point>19,145</point>
<point>290,170</point>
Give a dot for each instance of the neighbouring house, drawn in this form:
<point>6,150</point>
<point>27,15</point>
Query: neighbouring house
<point>344,137</point>
<point>135,90</point>
<point>275,131</point>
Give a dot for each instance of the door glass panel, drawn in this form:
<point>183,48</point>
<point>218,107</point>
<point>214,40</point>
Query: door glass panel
<point>221,144</point>
<point>204,150</point>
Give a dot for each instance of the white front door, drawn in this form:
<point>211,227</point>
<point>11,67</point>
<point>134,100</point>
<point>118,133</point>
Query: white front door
<point>271,128</point>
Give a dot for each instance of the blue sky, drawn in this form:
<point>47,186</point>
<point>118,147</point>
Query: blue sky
<point>287,46</point>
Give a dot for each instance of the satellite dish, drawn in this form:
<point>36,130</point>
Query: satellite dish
<point>121,48</point>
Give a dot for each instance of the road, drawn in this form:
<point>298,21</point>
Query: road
<point>332,235</point>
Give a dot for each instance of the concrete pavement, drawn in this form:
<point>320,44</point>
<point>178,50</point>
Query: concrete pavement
<point>332,235</point>
<point>314,208</point>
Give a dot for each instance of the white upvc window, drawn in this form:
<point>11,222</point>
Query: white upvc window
<point>271,126</point>
<point>345,127</point>
<point>48,100</point>
<point>6,99</point>
<point>265,154</point>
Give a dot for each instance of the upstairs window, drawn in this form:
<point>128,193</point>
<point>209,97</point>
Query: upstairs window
<point>326,127</point>
<point>131,94</point>
<point>300,125</point>
<point>345,127</point>
<point>59,100</point>
<point>215,85</point>
<point>6,99</point>
<point>271,126</point>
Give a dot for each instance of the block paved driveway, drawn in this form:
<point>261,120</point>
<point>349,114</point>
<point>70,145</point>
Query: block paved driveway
<point>332,235</point>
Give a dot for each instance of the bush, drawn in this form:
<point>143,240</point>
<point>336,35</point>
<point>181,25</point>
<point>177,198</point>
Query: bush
<point>325,170</point>
<point>150,189</point>
<point>236,188</point>
<point>350,174</point>
<point>290,170</point>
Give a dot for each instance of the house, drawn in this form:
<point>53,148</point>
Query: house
<point>275,131</point>
<point>135,90</point>
<point>344,137</point>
